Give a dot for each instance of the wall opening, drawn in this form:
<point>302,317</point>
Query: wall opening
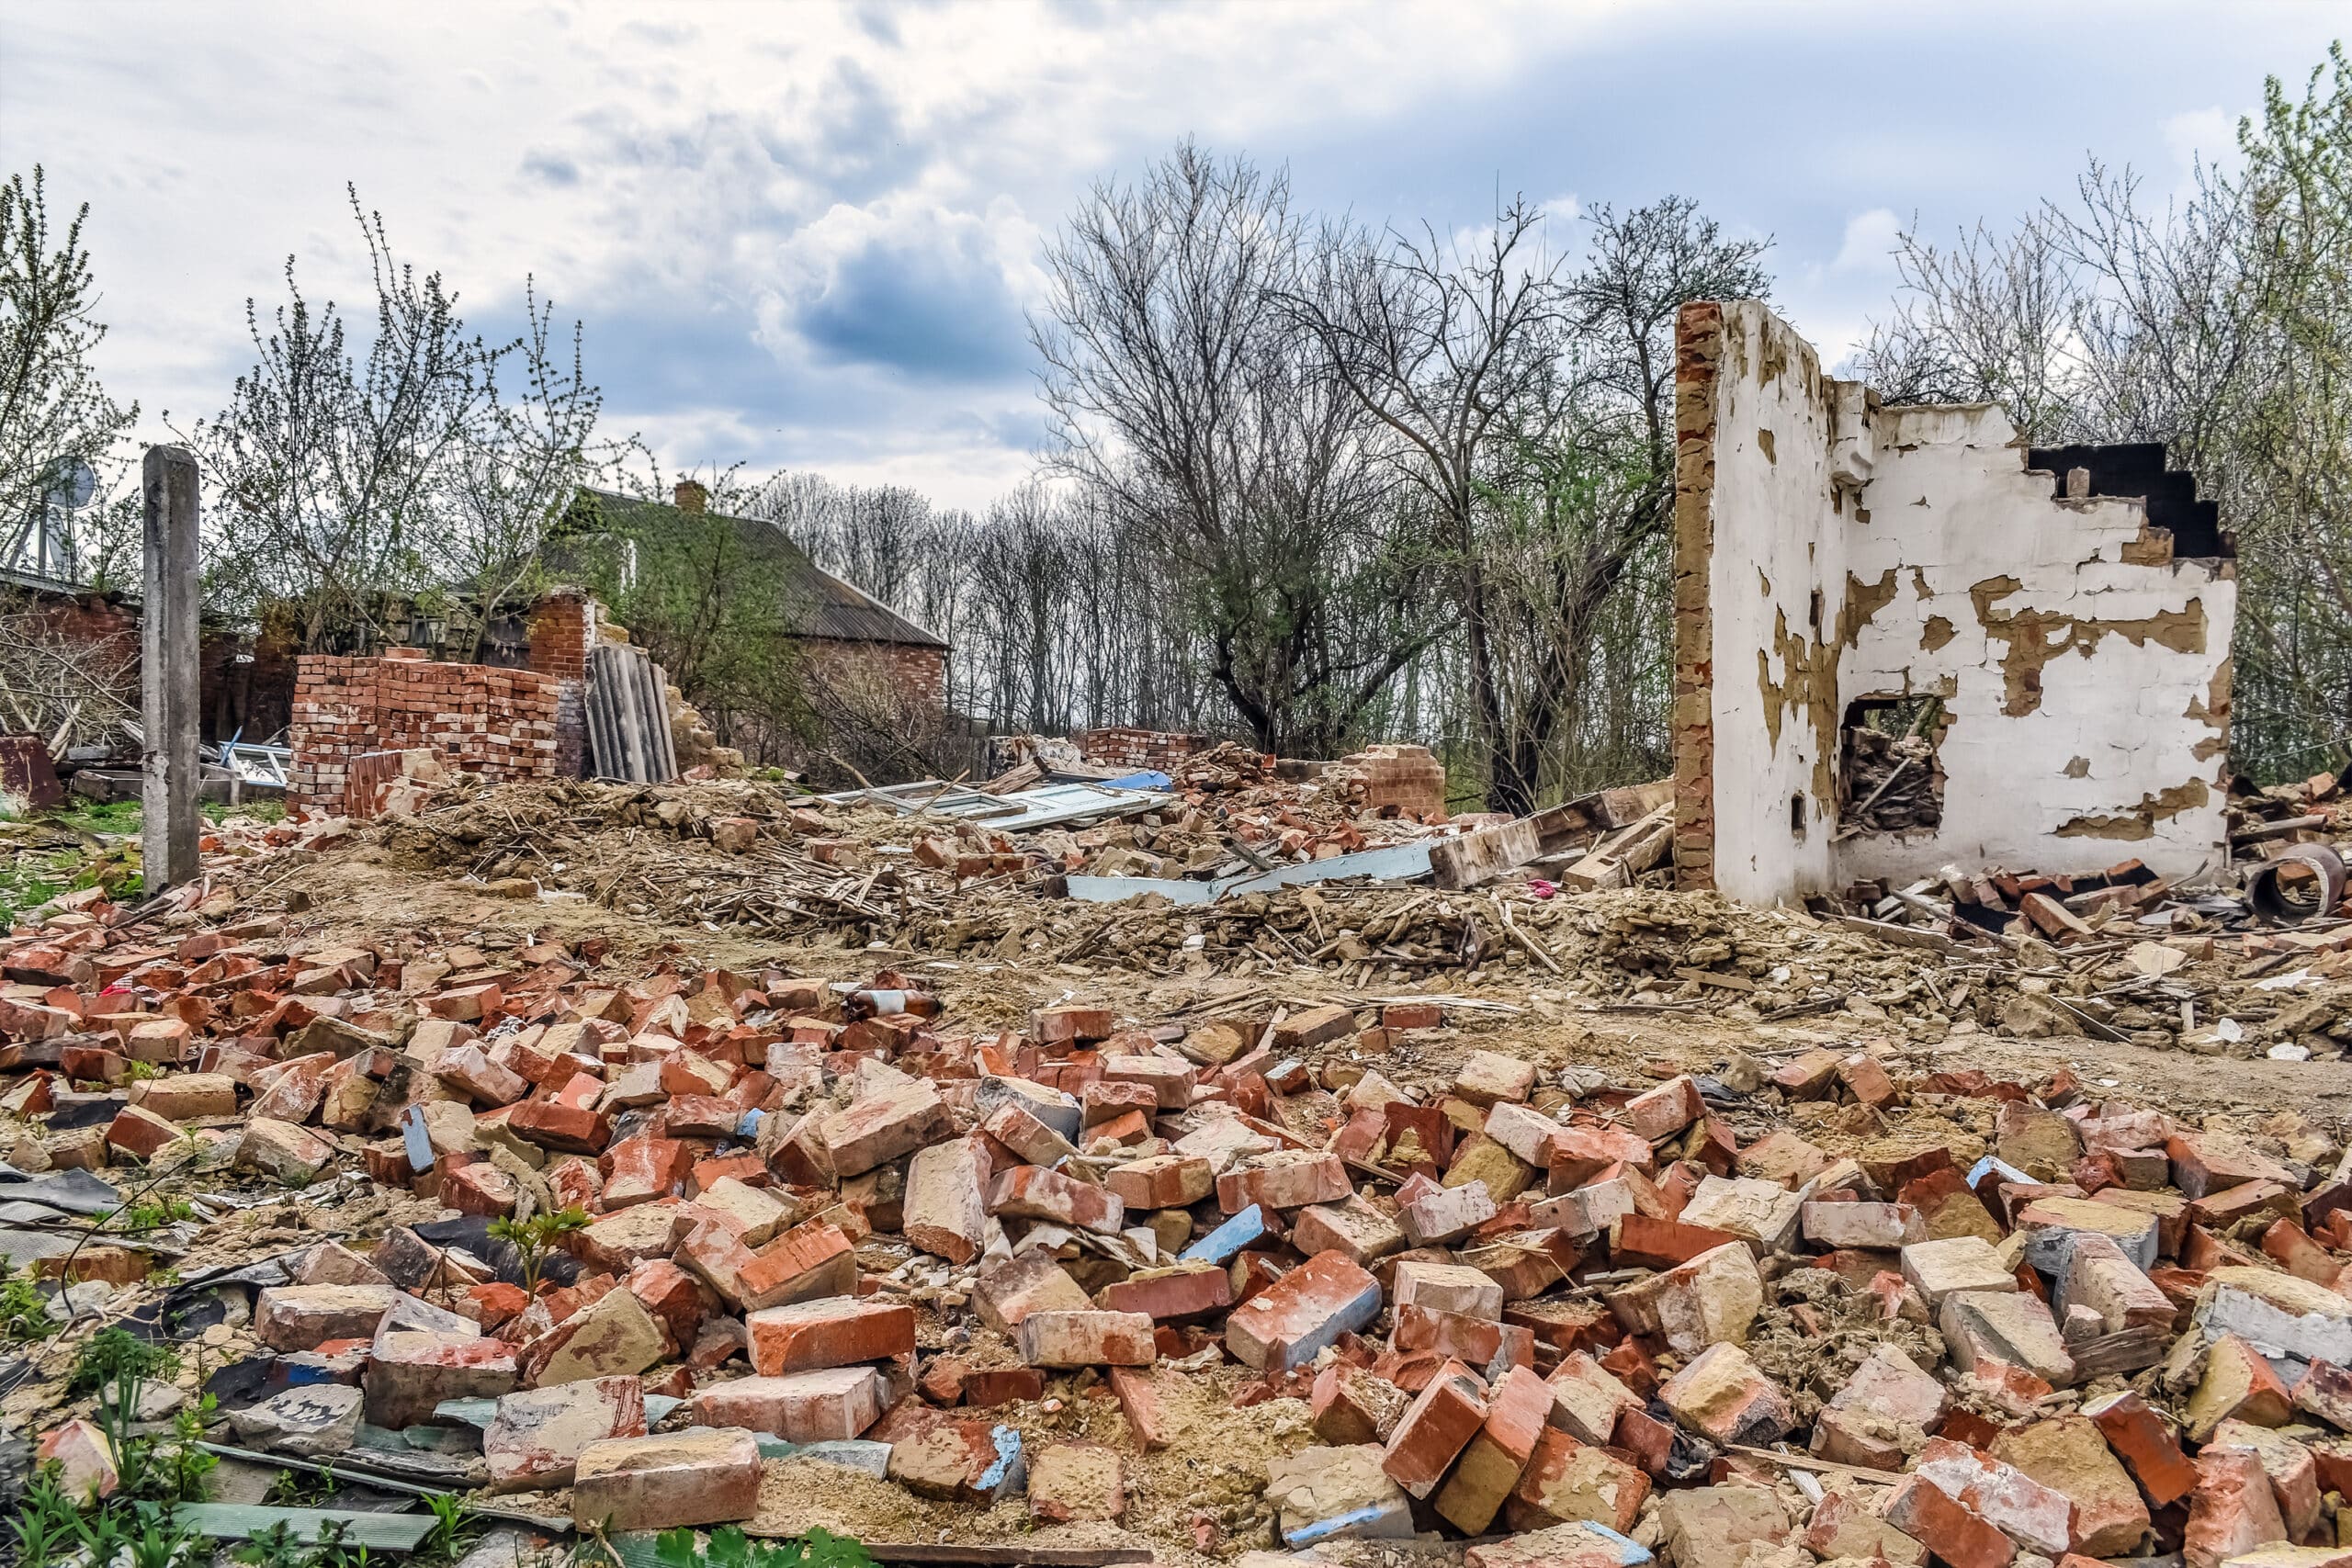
<point>1890,778</point>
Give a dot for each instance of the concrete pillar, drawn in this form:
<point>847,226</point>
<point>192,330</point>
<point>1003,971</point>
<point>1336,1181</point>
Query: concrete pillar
<point>169,666</point>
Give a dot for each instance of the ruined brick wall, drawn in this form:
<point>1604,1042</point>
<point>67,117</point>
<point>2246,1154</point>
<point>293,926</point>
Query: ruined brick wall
<point>561,628</point>
<point>1159,751</point>
<point>1831,553</point>
<point>1698,343</point>
<point>1409,778</point>
<point>916,678</point>
<point>496,725</point>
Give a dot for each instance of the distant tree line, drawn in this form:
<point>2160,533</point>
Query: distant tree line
<point>1308,482</point>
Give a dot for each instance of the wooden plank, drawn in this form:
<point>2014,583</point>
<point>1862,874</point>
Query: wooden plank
<point>1475,858</point>
<point>1624,855</point>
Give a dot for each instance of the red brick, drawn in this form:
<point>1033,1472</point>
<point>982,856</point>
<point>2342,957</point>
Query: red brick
<point>835,1332</point>
<point>1293,1319</point>
<point>1435,1429</point>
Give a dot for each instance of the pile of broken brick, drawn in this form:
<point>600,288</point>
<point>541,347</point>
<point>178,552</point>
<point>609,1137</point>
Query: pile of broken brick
<point>1531,1310</point>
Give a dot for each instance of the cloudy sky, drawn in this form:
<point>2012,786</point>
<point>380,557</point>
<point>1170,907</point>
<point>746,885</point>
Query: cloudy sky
<point>804,237</point>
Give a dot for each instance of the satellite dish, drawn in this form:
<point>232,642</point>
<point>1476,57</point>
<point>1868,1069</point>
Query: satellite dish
<point>75,484</point>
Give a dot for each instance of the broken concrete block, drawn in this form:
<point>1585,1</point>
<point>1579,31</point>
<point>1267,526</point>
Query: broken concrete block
<point>2068,1455</point>
<point>653,1484</point>
<point>1936,1269</point>
<point>1715,1526</point>
<point>1563,1546</point>
<point>613,1336</point>
<point>1353,1228</point>
<point>2007,1327</point>
<point>2277,1312</point>
<point>1878,1226</point>
<point>2238,1385</point>
<point>539,1434</point>
<point>1087,1338</point>
<point>1010,1290</point>
<point>1756,1212</point>
<point>1486,1076</point>
<point>1323,1494</point>
<point>315,1421</point>
<point>303,1318</point>
<point>1448,1288</point>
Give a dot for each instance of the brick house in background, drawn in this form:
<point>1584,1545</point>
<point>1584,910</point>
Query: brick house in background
<point>849,637</point>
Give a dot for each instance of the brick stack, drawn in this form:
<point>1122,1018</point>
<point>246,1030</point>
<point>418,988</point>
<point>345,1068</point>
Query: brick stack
<point>496,725</point>
<point>1389,781</point>
<point>562,628</point>
<point>1699,348</point>
<point>1159,751</point>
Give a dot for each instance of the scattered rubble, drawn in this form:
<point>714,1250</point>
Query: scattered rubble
<point>1338,1221</point>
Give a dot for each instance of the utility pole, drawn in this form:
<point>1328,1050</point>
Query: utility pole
<point>168,670</point>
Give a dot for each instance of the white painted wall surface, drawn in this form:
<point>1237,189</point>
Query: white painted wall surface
<point>1947,505</point>
<point>1775,540</point>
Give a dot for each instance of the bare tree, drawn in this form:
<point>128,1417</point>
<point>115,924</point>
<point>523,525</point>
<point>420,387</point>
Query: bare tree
<point>1181,399</point>
<point>1455,349</point>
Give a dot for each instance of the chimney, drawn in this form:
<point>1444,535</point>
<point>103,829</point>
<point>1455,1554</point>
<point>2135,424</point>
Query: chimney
<point>688,495</point>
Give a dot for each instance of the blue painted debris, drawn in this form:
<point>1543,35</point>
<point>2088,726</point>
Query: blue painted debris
<point>1221,1244</point>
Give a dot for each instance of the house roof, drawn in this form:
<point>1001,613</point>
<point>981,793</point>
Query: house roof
<point>815,603</point>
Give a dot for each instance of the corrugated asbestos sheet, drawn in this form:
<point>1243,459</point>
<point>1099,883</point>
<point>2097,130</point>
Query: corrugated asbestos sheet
<point>1021,811</point>
<point>629,718</point>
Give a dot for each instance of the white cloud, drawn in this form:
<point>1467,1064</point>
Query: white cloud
<point>1868,244</point>
<point>805,233</point>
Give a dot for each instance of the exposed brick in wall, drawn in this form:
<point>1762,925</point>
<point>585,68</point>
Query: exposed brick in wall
<point>562,628</point>
<point>1697,350</point>
<point>1405,776</point>
<point>494,725</point>
<point>917,676</point>
<point>1159,749</point>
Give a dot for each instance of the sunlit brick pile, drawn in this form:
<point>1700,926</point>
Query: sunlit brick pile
<point>1549,1315</point>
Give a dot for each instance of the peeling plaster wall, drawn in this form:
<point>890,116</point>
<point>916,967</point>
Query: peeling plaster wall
<point>1775,538</point>
<point>2087,697</point>
<point>1854,552</point>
